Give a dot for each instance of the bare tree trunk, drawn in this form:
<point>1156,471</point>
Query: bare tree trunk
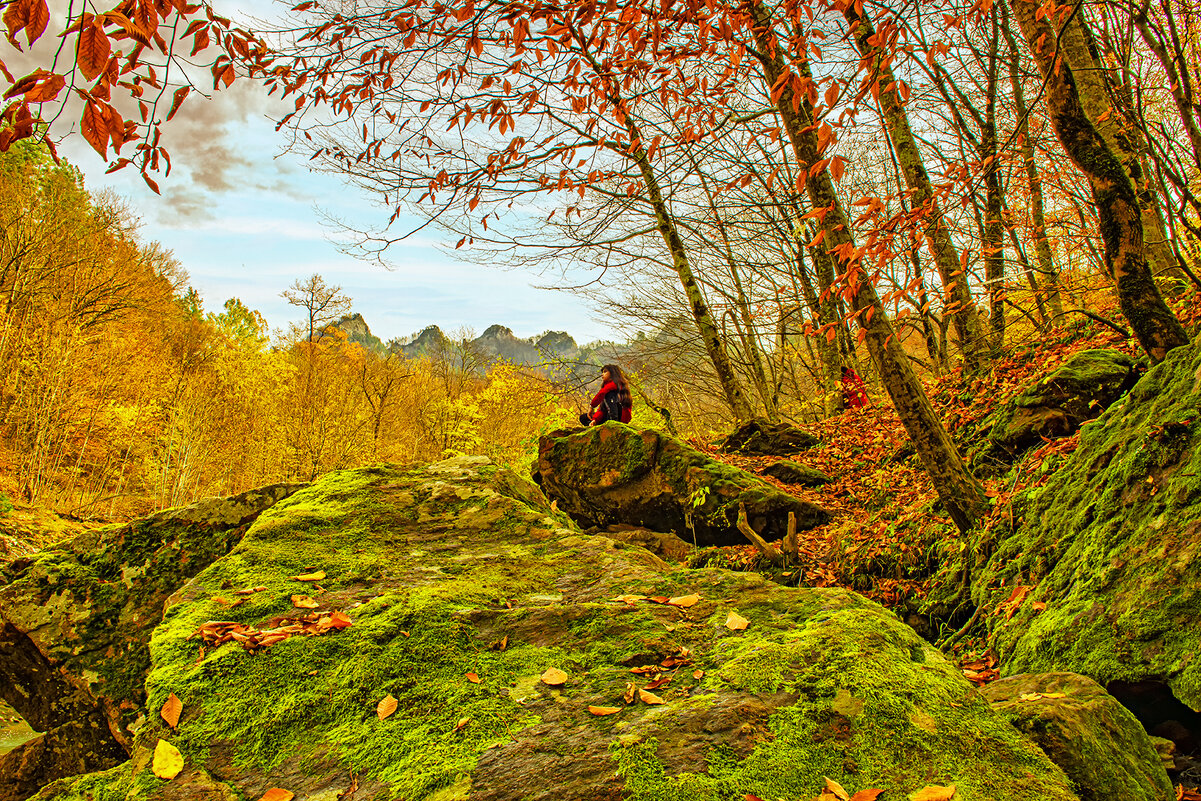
<point>960,305</point>
<point>960,493</point>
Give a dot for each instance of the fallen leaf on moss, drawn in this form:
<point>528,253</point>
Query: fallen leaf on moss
<point>698,674</point>
<point>168,762</point>
<point>171,709</point>
<point>320,574</point>
<point>500,644</point>
<point>249,590</point>
<point>473,678</point>
<point>553,677</point>
<point>660,682</point>
<point>1040,696</point>
<point>837,789</point>
<point>385,707</point>
<point>933,792</point>
<point>304,602</point>
<point>462,724</point>
<point>601,711</point>
<point>628,599</point>
<point>658,599</point>
<point>630,693</point>
<point>684,601</point>
<point>338,620</point>
<point>277,794</point>
<point>867,795</point>
<point>736,622</point>
<point>649,698</point>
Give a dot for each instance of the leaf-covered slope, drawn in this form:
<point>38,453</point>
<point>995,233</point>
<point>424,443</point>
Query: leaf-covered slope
<point>1111,545</point>
<point>460,568</point>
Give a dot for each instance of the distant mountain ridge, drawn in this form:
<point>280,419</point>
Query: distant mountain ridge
<point>497,343</point>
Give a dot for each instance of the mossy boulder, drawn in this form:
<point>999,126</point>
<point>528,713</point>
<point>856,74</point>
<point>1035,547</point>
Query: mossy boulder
<point>463,587</point>
<point>1058,403</point>
<point>615,473</point>
<point>789,472</point>
<point>763,438</point>
<point>1103,576</point>
<point>75,625</point>
<point>1100,745</point>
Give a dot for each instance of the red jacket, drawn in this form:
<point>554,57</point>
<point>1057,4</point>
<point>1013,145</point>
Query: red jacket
<point>598,415</point>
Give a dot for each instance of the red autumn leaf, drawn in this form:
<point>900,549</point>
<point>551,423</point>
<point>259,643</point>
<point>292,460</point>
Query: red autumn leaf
<point>94,128</point>
<point>38,16</point>
<point>473,678</point>
<point>47,89</point>
<point>177,99</point>
<point>277,794</point>
<point>92,51</point>
<point>601,711</point>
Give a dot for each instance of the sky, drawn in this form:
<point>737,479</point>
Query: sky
<point>245,221</point>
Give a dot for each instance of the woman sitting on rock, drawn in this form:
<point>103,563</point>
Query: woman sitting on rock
<point>613,402</point>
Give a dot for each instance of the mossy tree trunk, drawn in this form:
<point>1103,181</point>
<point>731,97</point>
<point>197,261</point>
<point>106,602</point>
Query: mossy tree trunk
<point>1120,133</point>
<point>1119,212</point>
<point>961,494</point>
<point>961,307</point>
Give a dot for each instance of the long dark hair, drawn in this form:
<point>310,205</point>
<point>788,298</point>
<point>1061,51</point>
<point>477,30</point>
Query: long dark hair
<point>623,386</point>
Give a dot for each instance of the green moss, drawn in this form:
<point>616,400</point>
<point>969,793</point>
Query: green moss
<point>1110,546</point>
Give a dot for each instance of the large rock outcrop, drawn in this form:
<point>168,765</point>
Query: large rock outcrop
<point>75,625</point>
<point>1103,577</point>
<point>1100,745</point>
<point>1057,404</point>
<point>462,588</point>
<point>618,474</point>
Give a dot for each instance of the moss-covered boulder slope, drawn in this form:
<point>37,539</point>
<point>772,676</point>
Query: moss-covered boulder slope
<point>462,588</point>
<point>615,473</point>
<point>1103,578</point>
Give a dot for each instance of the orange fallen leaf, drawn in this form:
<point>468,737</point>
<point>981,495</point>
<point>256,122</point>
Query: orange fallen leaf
<point>473,678</point>
<point>604,710</point>
<point>736,622</point>
<point>630,693</point>
<point>628,599</point>
<point>168,762</point>
<point>553,677</point>
<point>684,601</point>
<point>650,698</point>
<point>698,674</point>
<point>462,724</point>
<point>320,574</point>
<point>277,794</point>
<point>304,602</point>
<point>658,599</point>
<point>171,709</point>
<point>837,789</point>
<point>339,620</point>
<point>867,795</point>
<point>385,707</point>
<point>933,792</point>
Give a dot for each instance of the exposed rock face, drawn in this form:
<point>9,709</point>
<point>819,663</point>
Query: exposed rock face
<point>429,342</point>
<point>790,472</point>
<point>1112,546</point>
<point>617,474</point>
<point>356,330</point>
<point>499,342</point>
<point>1102,748</point>
<point>762,438</point>
<point>460,571</point>
<point>557,343</point>
<point>1078,391</point>
<point>75,624</point>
